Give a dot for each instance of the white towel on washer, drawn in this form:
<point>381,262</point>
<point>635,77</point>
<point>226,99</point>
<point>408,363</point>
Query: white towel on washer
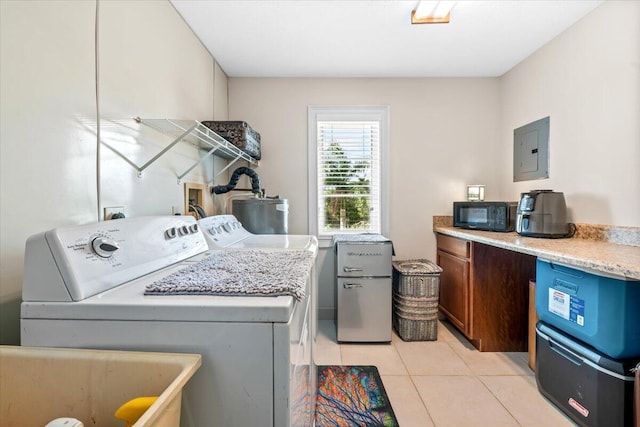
<point>241,273</point>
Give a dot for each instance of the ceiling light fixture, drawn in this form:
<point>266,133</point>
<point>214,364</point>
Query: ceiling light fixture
<point>432,12</point>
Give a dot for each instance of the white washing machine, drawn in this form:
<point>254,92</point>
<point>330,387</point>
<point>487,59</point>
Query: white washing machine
<point>84,288</point>
<point>227,232</point>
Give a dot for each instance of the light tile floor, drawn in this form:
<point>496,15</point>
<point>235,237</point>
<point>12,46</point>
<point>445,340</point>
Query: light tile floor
<point>447,383</point>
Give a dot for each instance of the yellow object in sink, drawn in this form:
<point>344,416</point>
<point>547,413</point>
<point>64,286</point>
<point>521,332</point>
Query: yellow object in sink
<point>89,385</point>
<point>132,410</point>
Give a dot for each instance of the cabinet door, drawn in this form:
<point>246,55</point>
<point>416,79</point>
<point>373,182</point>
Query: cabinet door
<point>364,309</point>
<point>364,259</point>
<point>454,290</point>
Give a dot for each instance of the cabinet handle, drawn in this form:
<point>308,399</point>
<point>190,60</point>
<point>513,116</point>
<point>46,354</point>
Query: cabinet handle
<point>351,285</point>
<point>351,269</point>
<point>566,353</point>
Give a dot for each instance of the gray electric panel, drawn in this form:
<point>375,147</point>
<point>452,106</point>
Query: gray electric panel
<point>531,151</point>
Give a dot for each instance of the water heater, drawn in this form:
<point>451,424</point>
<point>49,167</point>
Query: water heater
<point>263,215</point>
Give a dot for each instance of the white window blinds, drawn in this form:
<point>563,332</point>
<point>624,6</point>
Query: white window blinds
<point>348,176</point>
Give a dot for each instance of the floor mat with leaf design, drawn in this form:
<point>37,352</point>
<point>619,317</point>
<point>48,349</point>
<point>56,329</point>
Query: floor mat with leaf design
<point>352,396</point>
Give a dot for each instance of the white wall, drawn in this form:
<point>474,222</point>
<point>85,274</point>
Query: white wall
<point>446,133</point>
<point>588,81</point>
<point>443,136</point>
<point>150,65</point>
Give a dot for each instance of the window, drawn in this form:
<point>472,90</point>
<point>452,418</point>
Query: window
<point>348,162</point>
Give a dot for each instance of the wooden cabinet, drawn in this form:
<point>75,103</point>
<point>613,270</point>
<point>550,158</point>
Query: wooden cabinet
<point>484,292</point>
<point>533,319</point>
<point>453,257</point>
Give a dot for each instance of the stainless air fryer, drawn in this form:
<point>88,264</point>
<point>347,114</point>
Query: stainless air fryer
<point>543,213</point>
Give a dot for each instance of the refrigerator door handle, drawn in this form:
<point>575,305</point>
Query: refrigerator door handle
<point>351,269</point>
<point>351,285</point>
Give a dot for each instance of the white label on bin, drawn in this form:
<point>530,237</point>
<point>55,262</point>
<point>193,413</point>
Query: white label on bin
<point>559,303</point>
<point>567,306</point>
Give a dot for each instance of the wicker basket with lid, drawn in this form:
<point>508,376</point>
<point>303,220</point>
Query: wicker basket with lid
<point>416,285</point>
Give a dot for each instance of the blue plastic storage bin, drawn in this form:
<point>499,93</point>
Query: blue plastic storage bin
<point>603,312</point>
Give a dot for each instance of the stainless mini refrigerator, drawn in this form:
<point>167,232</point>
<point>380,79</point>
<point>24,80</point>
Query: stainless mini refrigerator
<point>363,287</point>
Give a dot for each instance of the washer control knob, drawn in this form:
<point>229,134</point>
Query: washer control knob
<point>227,227</point>
<point>104,247</point>
<point>183,230</point>
<point>193,228</point>
<point>171,233</point>
<point>213,231</point>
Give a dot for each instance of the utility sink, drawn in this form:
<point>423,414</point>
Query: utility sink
<point>38,385</point>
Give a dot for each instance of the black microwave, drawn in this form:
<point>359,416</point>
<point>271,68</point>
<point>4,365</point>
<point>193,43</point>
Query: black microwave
<point>491,216</point>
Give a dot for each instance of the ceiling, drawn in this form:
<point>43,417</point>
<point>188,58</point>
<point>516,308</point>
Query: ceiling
<point>374,38</point>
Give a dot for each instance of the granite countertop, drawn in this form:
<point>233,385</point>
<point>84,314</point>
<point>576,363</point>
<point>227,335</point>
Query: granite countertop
<point>594,255</point>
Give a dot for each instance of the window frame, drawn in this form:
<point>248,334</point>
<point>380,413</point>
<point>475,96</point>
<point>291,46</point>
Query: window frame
<point>379,113</point>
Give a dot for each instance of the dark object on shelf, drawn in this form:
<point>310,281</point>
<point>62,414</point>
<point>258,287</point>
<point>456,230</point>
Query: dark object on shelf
<point>239,134</point>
